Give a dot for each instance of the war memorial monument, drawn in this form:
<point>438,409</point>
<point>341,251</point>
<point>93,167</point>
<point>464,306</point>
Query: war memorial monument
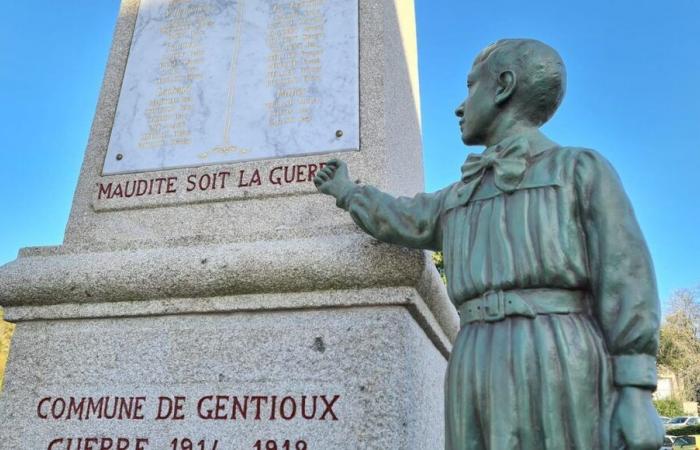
<point>207,297</point>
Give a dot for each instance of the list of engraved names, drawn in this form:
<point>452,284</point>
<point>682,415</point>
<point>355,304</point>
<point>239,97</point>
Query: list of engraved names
<point>180,65</point>
<point>212,81</point>
<point>295,38</point>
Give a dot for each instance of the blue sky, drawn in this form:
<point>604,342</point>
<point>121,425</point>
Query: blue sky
<point>633,94</point>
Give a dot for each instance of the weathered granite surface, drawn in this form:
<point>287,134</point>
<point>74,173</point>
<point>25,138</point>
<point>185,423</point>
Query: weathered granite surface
<point>376,362</point>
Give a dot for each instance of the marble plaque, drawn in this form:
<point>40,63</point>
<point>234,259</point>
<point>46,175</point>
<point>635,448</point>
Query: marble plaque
<point>218,81</point>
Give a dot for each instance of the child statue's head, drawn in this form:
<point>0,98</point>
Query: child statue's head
<point>519,81</point>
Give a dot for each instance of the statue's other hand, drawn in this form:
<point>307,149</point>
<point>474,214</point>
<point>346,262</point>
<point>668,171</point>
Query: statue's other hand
<point>636,420</point>
<point>333,179</point>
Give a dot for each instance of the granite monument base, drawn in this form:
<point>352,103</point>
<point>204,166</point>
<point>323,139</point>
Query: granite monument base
<point>336,367</point>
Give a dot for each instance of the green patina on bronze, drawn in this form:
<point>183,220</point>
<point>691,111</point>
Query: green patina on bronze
<point>546,264</point>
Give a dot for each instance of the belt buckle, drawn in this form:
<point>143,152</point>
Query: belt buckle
<point>493,306</point>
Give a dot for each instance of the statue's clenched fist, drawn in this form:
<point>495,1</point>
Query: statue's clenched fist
<point>333,179</point>
<point>636,420</point>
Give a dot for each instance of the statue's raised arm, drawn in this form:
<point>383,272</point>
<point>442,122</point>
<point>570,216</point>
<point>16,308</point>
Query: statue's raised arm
<point>411,222</point>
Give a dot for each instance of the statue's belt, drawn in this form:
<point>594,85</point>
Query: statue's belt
<point>493,306</point>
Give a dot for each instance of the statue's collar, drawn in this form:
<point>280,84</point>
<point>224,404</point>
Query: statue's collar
<point>515,160</point>
<point>534,140</point>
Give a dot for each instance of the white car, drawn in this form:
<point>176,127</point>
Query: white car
<point>682,421</point>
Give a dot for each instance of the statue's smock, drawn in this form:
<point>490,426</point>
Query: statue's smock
<point>546,265</point>
<point>566,234</point>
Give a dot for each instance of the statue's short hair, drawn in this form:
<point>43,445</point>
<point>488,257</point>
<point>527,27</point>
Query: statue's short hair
<point>540,72</point>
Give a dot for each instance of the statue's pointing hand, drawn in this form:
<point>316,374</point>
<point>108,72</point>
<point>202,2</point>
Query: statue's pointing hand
<point>334,179</point>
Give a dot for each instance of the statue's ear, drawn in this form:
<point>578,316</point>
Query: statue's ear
<point>507,82</point>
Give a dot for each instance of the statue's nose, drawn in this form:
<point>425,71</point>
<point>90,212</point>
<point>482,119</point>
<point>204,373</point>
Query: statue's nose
<point>459,112</point>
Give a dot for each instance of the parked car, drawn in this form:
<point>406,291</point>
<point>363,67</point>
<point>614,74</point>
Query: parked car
<point>668,442</point>
<point>682,421</point>
<point>686,442</point>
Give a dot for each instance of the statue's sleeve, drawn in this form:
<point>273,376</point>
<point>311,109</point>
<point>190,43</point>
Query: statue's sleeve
<point>410,222</point>
<point>623,283</point>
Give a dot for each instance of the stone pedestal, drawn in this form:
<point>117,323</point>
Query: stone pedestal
<point>237,314</point>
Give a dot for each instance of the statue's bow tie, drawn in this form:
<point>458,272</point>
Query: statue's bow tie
<point>508,162</point>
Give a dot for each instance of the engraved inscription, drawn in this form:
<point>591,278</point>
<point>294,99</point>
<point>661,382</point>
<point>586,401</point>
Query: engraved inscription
<point>222,180</point>
<point>319,408</point>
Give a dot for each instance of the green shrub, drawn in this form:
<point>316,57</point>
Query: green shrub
<point>683,431</point>
<point>440,265</point>
<point>669,408</point>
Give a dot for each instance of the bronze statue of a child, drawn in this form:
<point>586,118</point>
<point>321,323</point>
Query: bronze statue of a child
<point>546,264</point>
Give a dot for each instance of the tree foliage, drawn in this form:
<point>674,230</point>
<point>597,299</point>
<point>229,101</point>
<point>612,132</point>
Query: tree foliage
<point>669,407</point>
<point>440,265</point>
<point>679,345</point>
